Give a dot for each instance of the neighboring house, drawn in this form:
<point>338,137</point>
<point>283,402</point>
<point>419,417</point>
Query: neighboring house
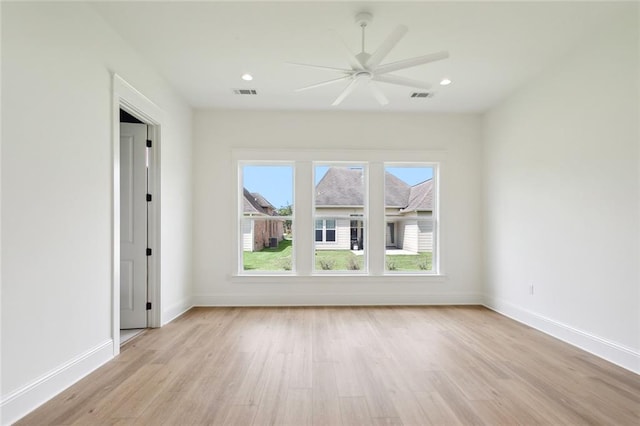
<point>266,229</point>
<point>340,201</point>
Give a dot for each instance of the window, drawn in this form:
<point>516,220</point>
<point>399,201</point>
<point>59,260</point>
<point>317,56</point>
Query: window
<point>326,230</point>
<point>266,218</point>
<point>354,217</point>
<point>339,208</point>
<point>410,207</point>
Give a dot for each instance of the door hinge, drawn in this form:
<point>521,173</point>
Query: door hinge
<point>148,197</point>
<point>149,143</point>
<point>148,306</point>
<point>148,252</point>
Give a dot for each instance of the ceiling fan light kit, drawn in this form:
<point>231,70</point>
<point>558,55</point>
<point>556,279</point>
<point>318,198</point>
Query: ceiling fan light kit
<point>366,69</point>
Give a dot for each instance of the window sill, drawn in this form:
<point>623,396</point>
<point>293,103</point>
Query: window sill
<point>337,277</point>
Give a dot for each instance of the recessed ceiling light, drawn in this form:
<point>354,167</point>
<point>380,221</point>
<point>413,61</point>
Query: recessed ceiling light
<point>445,82</point>
<point>247,77</point>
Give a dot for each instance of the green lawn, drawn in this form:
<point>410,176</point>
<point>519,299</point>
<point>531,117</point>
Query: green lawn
<point>338,260</point>
<point>279,259</point>
<point>269,259</point>
<point>407,263</point>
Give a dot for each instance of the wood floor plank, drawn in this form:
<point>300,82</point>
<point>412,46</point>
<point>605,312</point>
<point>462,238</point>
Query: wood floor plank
<point>297,409</point>
<point>274,394</point>
<point>130,398</point>
<point>436,409</point>
<point>446,365</point>
<point>239,415</point>
<point>455,398</point>
<point>409,409</point>
<point>324,391</point>
<point>354,411</point>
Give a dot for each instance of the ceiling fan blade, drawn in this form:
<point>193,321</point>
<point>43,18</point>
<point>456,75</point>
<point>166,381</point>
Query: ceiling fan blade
<point>386,46</point>
<point>346,92</point>
<point>320,67</point>
<point>378,94</point>
<point>394,79</point>
<point>408,63</point>
<point>324,83</point>
<point>351,57</point>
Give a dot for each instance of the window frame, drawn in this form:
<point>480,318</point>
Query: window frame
<point>241,218</point>
<point>434,219</point>
<point>302,161</point>
<point>363,216</point>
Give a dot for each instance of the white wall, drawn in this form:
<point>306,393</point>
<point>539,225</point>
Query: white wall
<point>57,61</point>
<point>218,132</point>
<point>561,178</point>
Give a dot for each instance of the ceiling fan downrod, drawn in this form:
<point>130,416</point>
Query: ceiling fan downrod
<point>363,19</point>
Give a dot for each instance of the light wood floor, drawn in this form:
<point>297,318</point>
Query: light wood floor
<point>348,366</point>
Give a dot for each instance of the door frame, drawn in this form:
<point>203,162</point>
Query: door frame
<point>126,97</point>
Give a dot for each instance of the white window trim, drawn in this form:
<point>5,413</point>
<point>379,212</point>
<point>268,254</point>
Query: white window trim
<point>240,217</point>
<point>435,218</point>
<point>375,160</point>
<point>365,214</point>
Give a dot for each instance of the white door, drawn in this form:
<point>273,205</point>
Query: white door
<point>133,225</point>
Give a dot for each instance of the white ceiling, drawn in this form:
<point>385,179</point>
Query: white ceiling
<point>202,48</point>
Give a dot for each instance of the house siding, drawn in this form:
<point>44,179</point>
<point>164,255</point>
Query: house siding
<point>256,233</point>
<point>425,236</point>
<point>247,235</point>
<point>410,231</point>
<point>415,235</point>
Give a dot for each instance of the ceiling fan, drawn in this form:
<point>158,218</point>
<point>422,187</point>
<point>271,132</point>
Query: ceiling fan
<point>366,68</point>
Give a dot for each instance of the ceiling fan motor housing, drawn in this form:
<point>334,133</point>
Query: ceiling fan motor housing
<point>364,18</point>
<point>363,57</point>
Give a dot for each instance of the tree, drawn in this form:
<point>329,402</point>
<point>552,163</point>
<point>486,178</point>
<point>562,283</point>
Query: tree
<point>286,210</point>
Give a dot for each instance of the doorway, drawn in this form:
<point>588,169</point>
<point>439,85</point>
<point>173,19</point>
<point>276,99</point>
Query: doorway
<point>391,234</point>
<point>357,233</point>
<point>136,221</point>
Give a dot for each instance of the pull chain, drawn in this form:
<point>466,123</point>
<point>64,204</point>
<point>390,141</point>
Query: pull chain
<point>363,26</point>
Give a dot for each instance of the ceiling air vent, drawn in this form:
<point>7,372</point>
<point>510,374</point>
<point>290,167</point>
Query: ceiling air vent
<point>245,91</point>
<point>422,95</point>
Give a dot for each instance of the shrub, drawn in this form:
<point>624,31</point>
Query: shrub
<point>391,265</point>
<point>286,264</point>
<point>424,265</point>
<point>326,264</point>
<point>353,264</point>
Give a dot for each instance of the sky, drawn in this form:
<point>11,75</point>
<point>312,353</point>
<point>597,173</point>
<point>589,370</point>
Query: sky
<point>275,183</point>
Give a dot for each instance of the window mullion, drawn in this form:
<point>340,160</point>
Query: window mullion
<point>303,239</point>
<point>376,228</point>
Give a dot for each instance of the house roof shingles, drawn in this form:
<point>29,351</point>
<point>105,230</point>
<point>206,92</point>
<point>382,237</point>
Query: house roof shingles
<point>340,186</point>
<point>396,191</point>
<point>420,198</point>
<point>343,186</point>
<point>253,203</point>
<point>262,201</point>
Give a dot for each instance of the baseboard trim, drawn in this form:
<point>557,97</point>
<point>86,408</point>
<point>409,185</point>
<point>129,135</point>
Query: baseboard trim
<point>342,299</point>
<point>613,352</point>
<point>22,401</point>
<point>176,310</point>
